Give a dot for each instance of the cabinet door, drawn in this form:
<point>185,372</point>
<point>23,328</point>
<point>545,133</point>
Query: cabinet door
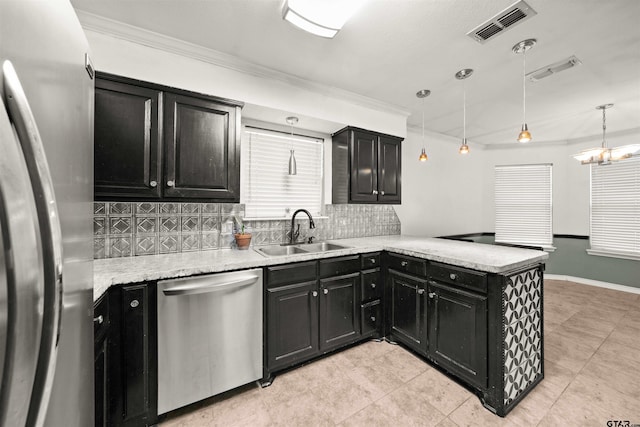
<point>126,141</point>
<point>202,145</point>
<point>292,324</point>
<point>458,331</point>
<point>364,167</point>
<point>389,176</point>
<point>338,311</point>
<point>407,310</point>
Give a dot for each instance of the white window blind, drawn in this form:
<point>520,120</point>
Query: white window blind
<point>524,205</point>
<point>267,189</point>
<point>615,209</point>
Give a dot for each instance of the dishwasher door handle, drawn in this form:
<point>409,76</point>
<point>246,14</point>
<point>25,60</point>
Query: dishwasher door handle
<point>200,288</point>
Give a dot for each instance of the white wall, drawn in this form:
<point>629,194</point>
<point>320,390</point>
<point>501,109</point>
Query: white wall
<point>122,57</point>
<point>571,180</point>
<point>444,194</point>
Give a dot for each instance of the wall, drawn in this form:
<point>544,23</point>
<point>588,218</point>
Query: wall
<point>443,195</point>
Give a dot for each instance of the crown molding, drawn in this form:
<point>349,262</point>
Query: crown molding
<point>99,24</point>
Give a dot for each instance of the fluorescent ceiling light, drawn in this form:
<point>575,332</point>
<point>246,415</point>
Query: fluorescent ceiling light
<point>323,18</point>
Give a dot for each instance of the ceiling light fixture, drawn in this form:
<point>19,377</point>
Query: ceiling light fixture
<point>523,47</point>
<point>422,94</point>
<point>604,155</point>
<point>463,75</point>
<point>293,169</point>
<point>323,18</point>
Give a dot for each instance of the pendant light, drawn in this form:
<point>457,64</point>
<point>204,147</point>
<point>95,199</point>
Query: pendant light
<point>422,94</point>
<point>293,170</point>
<point>523,47</point>
<point>603,154</point>
<point>462,75</point>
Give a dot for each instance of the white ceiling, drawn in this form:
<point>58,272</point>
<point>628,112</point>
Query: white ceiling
<point>392,48</point>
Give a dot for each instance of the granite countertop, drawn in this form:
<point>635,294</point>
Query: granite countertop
<point>476,256</point>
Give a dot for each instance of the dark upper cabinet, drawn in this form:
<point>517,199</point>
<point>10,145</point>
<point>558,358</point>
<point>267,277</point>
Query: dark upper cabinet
<point>339,320</point>
<point>407,319</point>
<point>366,167</point>
<point>157,142</point>
<point>458,331</point>
<point>127,135</point>
<point>202,149</point>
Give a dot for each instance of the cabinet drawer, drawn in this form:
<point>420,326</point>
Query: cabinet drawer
<point>291,273</point>
<point>339,266</point>
<point>100,317</point>
<point>371,285</point>
<point>370,260</point>
<point>370,317</point>
<point>407,264</point>
<point>459,276</point>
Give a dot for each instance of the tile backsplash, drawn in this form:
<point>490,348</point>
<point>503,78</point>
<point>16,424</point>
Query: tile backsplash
<point>148,228</point>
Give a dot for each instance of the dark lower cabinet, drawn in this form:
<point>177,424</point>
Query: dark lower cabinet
<point>338,311</point>
<point>407,319</point>
<point>292,323</point>
<point>132,356</point>
<point>457,334</point>
<point>101,361</point>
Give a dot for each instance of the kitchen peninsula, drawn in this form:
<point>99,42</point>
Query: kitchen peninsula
<point>473,310</point>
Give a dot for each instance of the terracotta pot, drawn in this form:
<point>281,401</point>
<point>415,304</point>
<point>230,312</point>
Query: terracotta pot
<point>243,240</point>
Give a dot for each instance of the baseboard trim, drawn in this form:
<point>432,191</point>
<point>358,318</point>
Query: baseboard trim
<point>590,282</point>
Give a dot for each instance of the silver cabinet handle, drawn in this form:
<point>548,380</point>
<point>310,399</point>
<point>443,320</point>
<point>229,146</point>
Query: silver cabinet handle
<point>375,191</point>
<point>325,291</point>
<point>453,276</point>
<point>153,184</point>
<point>382,193</point>
<point>373,286</point>
<point>134,303</point>
<point>372,260</point>
<point>432,295</point>
<point>404,263</point>
<point>420,291</point>
<point>48,219</point>
<point>170,183</point>
<point>99,320</point>
<point>314,293</point>
<point>373,318</point>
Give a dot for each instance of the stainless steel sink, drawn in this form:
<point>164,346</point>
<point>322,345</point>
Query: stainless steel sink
<point>301,248</point>
<point>280,250</point>
<point>321,247</point>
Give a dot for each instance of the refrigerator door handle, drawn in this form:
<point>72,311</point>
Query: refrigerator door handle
<point>24,122</point>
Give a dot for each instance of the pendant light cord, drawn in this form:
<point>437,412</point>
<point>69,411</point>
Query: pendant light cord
<point>524,86</point>
<point>464,112</point>
<point>423,122</point>
<point>604,127</point>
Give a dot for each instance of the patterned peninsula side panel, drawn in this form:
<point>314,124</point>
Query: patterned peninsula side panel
<point>522,332</point>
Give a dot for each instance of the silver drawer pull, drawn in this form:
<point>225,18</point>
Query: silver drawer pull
<point>375,191</point>
<point>153,184</point>
<point>373,286</point>
<point>134,303</point>
<point>314,293</point>
<point>453,276</point>
<point>404,263</point>
<point>372,260</point>
<point>325,291</point>
<point>373,318</point>
<point>432,295</point>
<point>382,193</point>
<point>420,291</point>
<point>170,183</point>
<point>99,320</point>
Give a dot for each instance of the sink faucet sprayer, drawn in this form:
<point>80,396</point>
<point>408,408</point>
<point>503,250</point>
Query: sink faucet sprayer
<point>296,233</point>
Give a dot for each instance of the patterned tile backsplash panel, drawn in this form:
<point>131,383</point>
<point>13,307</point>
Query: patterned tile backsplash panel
<point>146,228</point>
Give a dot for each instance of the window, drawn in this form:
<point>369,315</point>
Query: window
<point>524,205</point>
<point>267,189</point>
<point>615,209</point>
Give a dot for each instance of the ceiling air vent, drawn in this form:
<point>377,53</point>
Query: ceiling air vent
<point>514,14</point>
<point>554,68</point>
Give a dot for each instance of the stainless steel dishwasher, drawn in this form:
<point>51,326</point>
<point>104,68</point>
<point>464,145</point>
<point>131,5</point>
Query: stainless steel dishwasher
<point>209,336</point>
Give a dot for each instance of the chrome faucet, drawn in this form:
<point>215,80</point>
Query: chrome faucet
<point>295,233</point>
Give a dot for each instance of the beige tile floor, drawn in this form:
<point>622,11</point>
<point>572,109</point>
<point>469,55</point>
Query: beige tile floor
<point>592,375</point>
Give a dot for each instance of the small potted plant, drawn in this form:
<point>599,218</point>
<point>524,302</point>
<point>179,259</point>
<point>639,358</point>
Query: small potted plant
<point>243,240</point>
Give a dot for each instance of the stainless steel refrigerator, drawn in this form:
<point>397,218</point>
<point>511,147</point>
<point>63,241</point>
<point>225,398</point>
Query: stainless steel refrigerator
<point>46,194</point>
